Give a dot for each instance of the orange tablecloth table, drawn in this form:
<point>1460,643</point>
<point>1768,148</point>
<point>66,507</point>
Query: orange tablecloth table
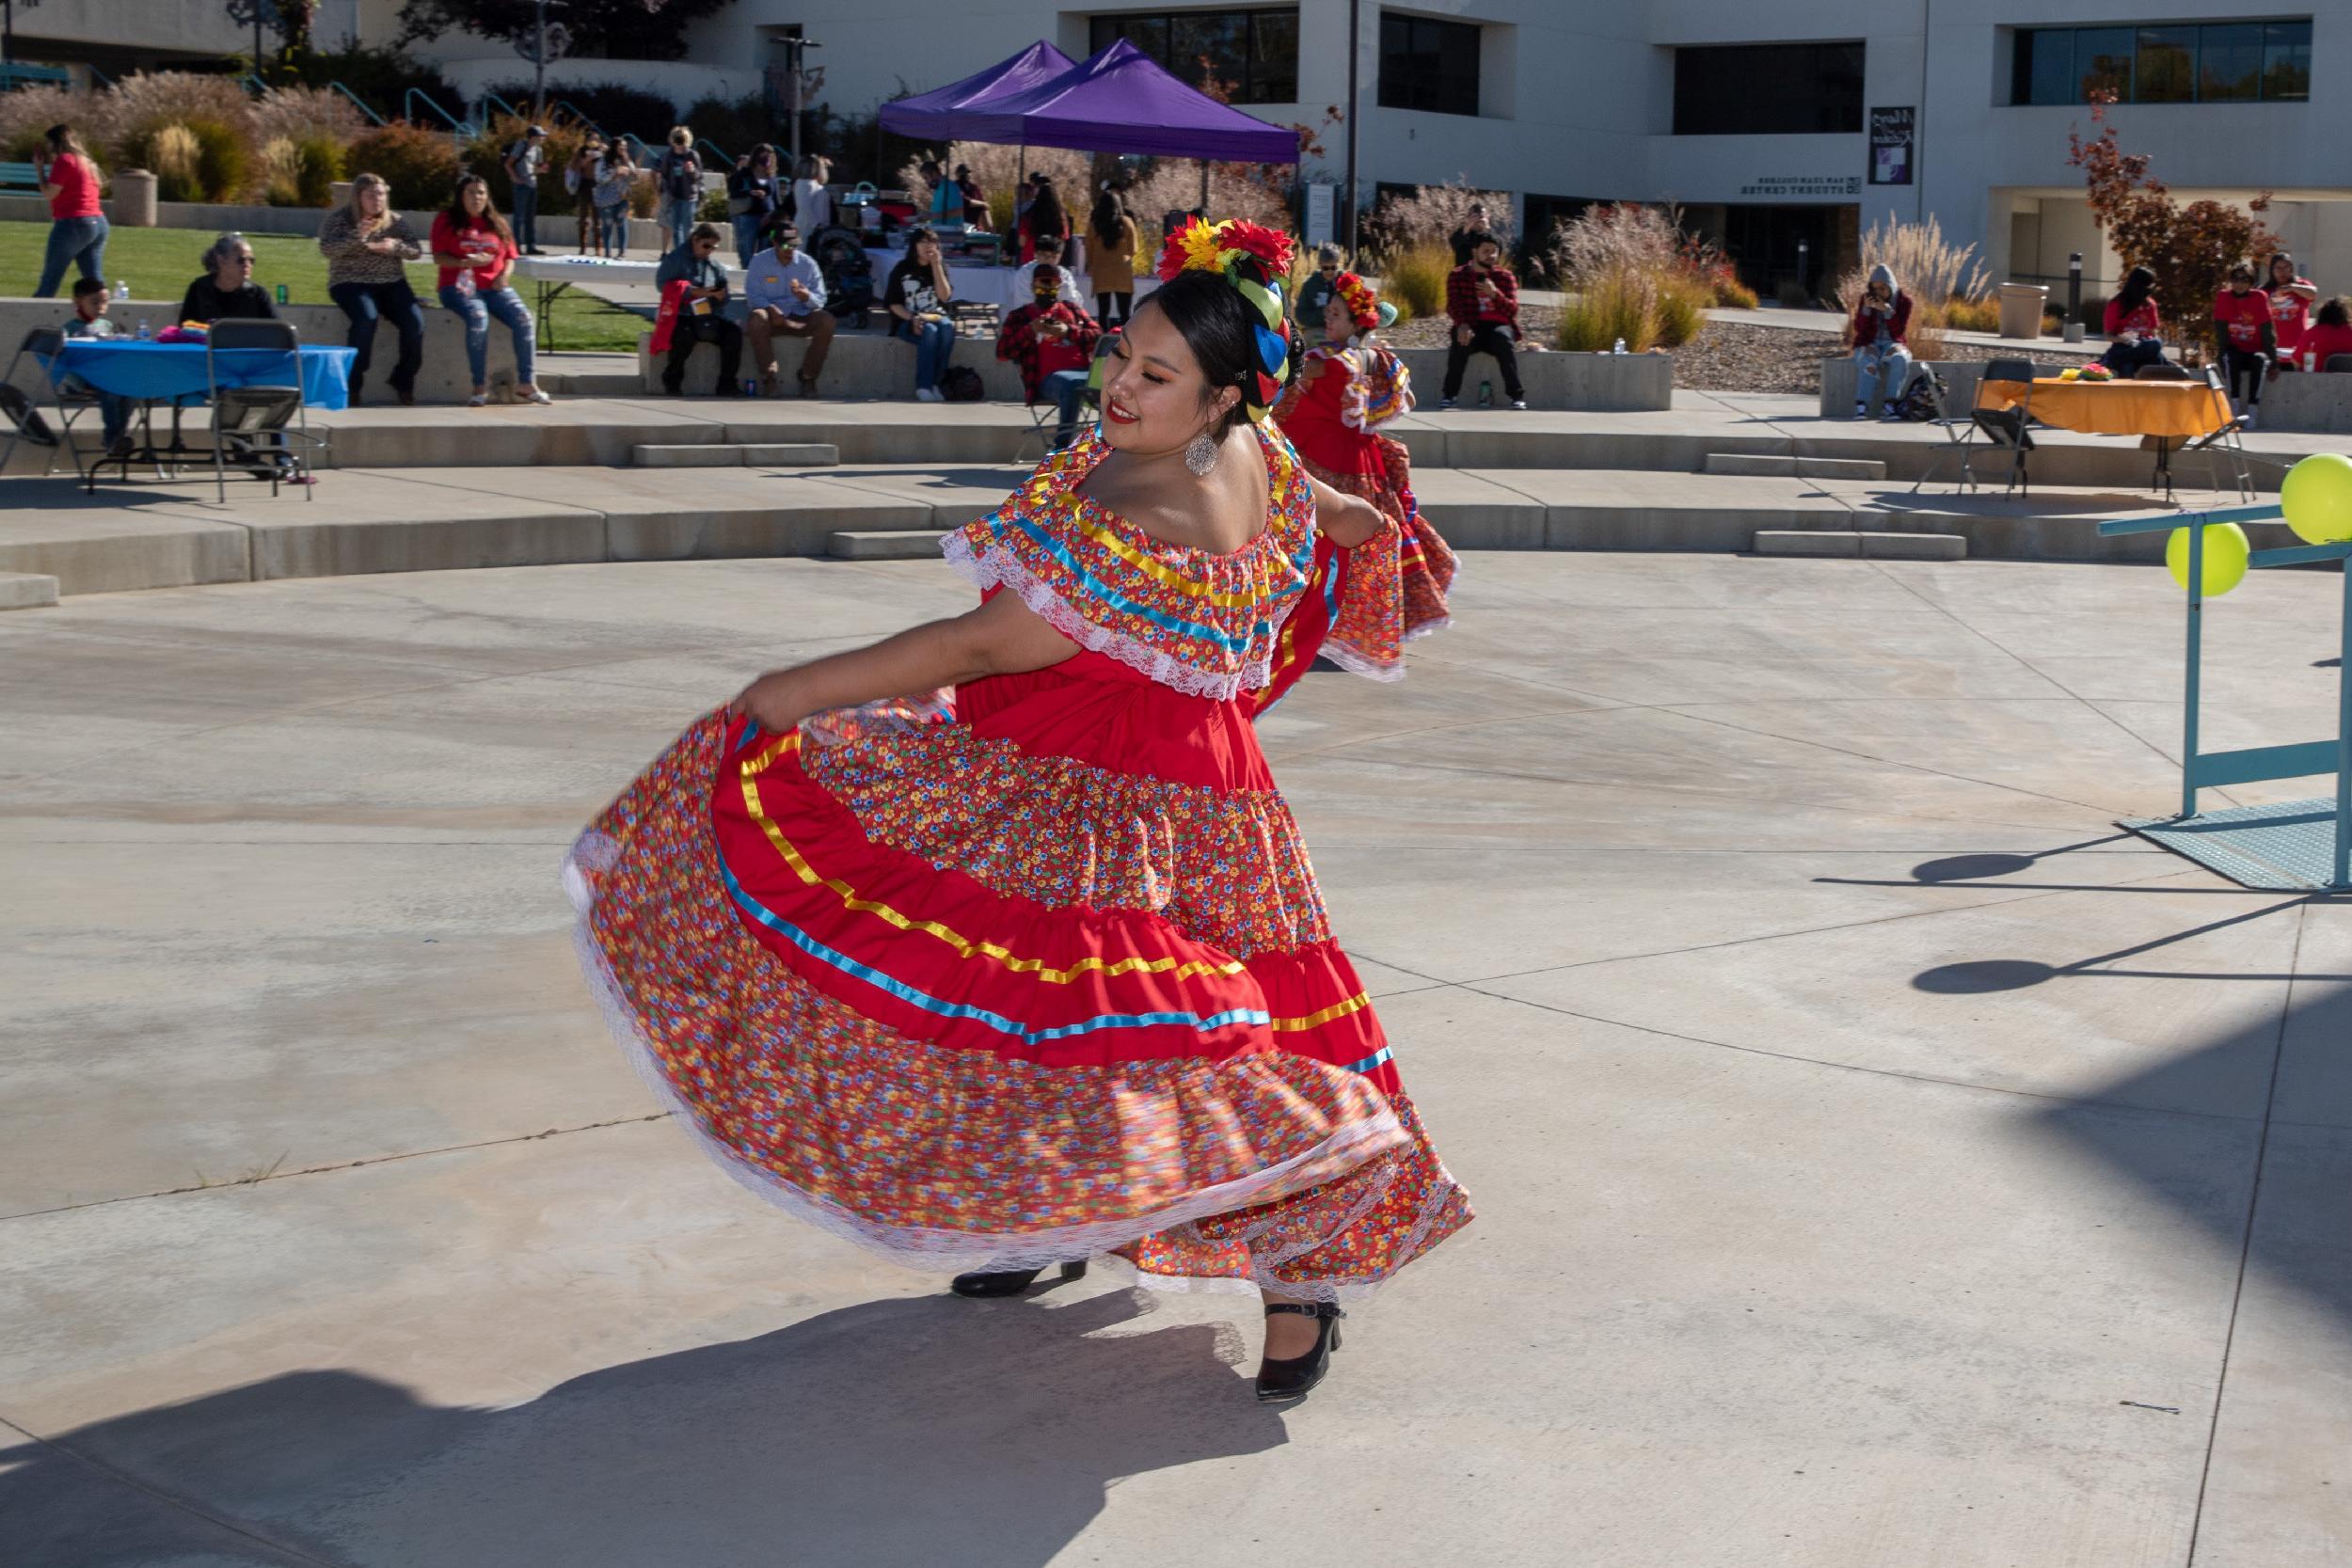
<point>2179,410</point>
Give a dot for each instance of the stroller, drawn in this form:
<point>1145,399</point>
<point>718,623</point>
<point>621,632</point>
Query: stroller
<point>848,275</point>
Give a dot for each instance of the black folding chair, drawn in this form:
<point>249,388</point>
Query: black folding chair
<point>46,344</point>
<point>2225,444</point>
<point>1957,428</point>
<point>2006,428</point>
<point>256,425</point>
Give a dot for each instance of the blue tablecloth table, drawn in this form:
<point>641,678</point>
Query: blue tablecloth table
<point>156,373</point>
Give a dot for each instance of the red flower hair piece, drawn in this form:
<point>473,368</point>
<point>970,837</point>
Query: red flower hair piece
<point>1363,306</point>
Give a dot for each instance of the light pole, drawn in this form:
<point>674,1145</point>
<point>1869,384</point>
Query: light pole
<point>1355,21</point>
<point>793,47</point>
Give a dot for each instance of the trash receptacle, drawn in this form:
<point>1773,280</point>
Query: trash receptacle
<point>2022,305</point>
<point>134,198</point>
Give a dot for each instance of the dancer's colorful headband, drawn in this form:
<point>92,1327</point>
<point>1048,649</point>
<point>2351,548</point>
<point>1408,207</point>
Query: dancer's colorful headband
<point>1255,259</point>
<point>1363,306</point>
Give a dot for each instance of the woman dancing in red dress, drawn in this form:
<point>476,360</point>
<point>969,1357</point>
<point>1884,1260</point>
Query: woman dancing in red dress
<point>1038,970</point>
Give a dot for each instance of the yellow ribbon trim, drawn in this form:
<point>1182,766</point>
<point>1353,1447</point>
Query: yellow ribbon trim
<point>1176,969</point>
<point>1160,571</point>
<point>1354,1003</point>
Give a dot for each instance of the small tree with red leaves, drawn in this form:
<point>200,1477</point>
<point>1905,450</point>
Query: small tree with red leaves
<point>2190,248</point>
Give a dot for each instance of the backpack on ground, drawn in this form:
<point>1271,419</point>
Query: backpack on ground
<point>1920,393</point>
<point>962,384</point>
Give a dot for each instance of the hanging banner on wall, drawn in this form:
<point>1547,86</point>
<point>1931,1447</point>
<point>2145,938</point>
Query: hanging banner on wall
<point>1892,134</point>
<point>1319,204</point>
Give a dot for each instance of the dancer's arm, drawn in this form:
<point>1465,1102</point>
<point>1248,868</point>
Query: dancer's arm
<point>1004,637</point>
<point>1348,519</point>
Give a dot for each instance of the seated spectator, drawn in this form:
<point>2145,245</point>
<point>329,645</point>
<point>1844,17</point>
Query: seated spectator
<point>1482,296</point>
<point>975,200</point>
<point>366,245</point>
<point>2135,330</point>
<point>1053,342</point>
<point>701,309</point>
<point>2330,334</point>
<point>226,290</point>
<point>785,290</point>
<point>89,321</point>
<point>1879,335</point>
<point>476,251</point>
<point>917,296</point>
<point>2244,340</point>
<point>2291,297</point>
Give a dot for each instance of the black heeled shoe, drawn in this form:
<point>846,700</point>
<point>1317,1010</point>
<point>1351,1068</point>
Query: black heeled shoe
<point>1008,1282</point>
<point>1291,1379</point>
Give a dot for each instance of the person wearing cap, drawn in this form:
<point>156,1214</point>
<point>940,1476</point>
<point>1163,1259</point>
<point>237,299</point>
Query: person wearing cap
<point>701,312</point>
<point>784,288</point>
<point>524,161</point>
<point>1052,340</point>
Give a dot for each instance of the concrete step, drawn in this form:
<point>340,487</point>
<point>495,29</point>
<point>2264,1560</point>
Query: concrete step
<point>592,384</point>
<point>27,590</point>
<point>774,454</point>
<point>903,545</point>
<point>1776,465</point>
<point>1858,544</point>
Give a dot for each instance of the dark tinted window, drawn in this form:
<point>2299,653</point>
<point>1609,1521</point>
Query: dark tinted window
<point>1768,89</point>
<point>1427,64</point>
<point>1255,52</point>
<point>2213,62</point>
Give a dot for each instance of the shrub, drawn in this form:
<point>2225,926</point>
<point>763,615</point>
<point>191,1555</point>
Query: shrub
<point>1928,266</point>
<point>280,184</point>
<point>485,155</point>
<point>170,153</point>
<point>296,112</point>
<point>1432,213</point>
<point>612,107</point>
<point>1732,294</point>
<point>1610,304</point>
<point>27,112</point>
<point>1972,315</point>
<point>1682,302</point>
<point>223,160</point>
<point>1927,331</point>
<point>420,165</point>
<point>1413,279</point>
<point>130,113</point>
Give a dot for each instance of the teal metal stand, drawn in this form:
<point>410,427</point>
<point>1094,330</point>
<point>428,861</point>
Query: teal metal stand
<point>2298,844</point>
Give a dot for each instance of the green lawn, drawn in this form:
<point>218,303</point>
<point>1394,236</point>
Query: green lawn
<point>159,263</point>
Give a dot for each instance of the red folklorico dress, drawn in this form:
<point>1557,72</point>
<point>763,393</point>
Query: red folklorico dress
<point>1041,971</point>
<point>1334,421</point>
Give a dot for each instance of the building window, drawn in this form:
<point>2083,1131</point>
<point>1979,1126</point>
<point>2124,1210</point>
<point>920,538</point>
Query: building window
<point>2213,62</point>
<point>1427,64</point>
<point>1255,52</point>
<point>1763,89</point>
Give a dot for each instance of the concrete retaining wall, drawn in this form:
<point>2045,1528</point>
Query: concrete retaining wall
<point>1839,376</point>
<point>1586,383</point>
<point>557,233</point>
<point>2318,404</point>
<point>861,365</point>
<point>443,379</point>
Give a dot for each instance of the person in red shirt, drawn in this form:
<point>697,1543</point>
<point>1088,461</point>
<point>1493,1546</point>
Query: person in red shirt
<point>2330,335</point>
<point>1482,298</point>
<point>2133,324</point>
<point>77,225</point>
<point>2291,300</point>
<point>2244,340</point>
<point>1053,342</point>
<point>477,254</point>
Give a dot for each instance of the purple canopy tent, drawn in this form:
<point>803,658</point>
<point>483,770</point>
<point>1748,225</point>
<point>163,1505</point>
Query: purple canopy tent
<point>1122,102</point>
<point>945,114</point>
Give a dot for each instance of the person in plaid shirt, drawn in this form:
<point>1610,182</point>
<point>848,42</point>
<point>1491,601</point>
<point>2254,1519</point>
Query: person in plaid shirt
<point>1052,340</point>
<point>1482,298</point>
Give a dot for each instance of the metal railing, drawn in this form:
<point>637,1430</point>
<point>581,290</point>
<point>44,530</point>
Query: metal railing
<point>725,163</point>
<point>358,101</point>
<point>508,109</point>
<point>459,128</point>
<point>577,113</point>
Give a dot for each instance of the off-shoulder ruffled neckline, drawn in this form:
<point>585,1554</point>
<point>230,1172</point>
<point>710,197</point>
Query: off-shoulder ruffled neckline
<point>1093,451</point>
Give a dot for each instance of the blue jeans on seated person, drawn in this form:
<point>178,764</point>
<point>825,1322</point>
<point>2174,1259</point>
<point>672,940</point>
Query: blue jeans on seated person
<point>476,311</point>
<point>933,342</point>
<point>2126,358</point>
<point>1065,388</point>
<point>365,305</point>
<point>1877,371</point>
<point>114,409</point>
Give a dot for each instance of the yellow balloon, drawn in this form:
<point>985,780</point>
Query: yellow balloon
<point>2317,498</point>
<point>2226,550</point>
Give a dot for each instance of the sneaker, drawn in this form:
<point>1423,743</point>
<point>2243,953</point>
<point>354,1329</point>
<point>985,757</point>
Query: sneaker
<point>675,388</point>
<point>2246,420</point>
<point>534,395</point>
<point>1892,416</point>
<point>480,400</point>
<point>1520,403</point>
<point>929,394</point>
<point>1445,403</point>
<point>1861,409</point>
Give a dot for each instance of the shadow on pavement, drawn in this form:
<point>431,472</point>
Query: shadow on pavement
<point>929,1431</point>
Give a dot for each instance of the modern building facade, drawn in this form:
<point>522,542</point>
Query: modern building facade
<point>1799,123</point>
<point>1783,129</point>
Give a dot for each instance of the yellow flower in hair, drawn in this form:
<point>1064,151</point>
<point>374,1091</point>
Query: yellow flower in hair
<point>1203,248</point>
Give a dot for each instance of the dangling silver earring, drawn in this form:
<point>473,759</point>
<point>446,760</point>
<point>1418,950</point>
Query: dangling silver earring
<point>1201,455</point>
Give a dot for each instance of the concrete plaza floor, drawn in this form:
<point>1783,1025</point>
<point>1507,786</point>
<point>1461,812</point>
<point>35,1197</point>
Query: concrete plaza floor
<point>1881,1160</point>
